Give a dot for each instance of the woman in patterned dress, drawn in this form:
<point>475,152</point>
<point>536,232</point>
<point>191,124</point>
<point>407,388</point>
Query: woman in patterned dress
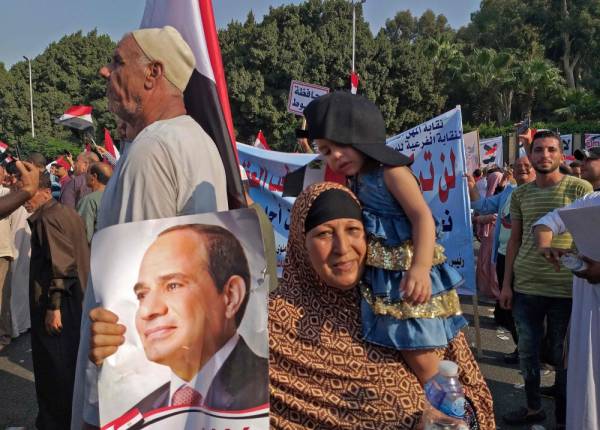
<point>323,375</point>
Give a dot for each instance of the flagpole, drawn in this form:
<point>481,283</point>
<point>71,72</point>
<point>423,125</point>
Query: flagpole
<point>354,31</point>
<point>30,97</point>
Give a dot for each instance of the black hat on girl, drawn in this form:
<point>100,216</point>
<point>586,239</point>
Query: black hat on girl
<point>353,120</point>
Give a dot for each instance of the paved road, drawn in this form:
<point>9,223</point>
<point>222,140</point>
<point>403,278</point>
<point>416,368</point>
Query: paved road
<point>17,392</point>
<point>502,378</point>
<point>18,406</point>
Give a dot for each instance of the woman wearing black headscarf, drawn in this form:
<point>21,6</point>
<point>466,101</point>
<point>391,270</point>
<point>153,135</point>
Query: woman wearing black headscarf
<point>323,375</point>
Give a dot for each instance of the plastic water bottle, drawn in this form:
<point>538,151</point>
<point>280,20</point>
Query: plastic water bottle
<point>573,262</point>
<point>446,398</point>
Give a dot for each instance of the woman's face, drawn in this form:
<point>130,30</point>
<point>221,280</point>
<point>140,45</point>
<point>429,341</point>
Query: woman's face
<point>337,252</point>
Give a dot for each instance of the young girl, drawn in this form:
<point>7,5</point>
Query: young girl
<point>409,299</point>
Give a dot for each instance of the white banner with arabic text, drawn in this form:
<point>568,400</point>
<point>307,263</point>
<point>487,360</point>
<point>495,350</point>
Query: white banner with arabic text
<point>438,150</point>
<point>439,162</point>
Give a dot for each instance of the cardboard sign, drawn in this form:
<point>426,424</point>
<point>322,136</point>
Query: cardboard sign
<point>301,94</point>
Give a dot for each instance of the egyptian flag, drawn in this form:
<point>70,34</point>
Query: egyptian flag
<point>315,171</point>
<point>261,141</point>
<point>206,98</point>
<point>77,117</point>
<point>110,146</point>
<point>353,82</point>
<point>3,147</point>
<point>490,151</point>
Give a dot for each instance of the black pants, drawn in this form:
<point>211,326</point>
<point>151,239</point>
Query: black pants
<point>504,317</point>
<point>54,361</point>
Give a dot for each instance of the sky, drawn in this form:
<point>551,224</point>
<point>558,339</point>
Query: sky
<point>27,27</point>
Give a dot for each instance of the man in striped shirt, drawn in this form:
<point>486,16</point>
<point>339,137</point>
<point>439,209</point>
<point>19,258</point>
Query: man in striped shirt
<point>540,292</point>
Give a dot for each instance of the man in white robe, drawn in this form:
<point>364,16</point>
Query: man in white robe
<point>19,272</point>
<point>583,373</point>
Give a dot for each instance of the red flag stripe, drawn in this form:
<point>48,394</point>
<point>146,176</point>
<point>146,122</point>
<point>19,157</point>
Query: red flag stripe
<point>261,141</point>
<point>79,110</point>
<point>109,145</point>
<point>353,82</point>
<point>214,53</point>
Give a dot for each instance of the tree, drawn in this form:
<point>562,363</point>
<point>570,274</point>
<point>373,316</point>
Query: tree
<point>502,25</point>
<point>65,74</point>
<point>511,57</point>
<point>492,75</point>
<point>534,76</point>
<point>571,33</point>
<point>580,105</point>
<point>308,42</point>
<point>312,42</point>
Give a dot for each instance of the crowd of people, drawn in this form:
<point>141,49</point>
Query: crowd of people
<point>536,295</point>
<point>367,305</point>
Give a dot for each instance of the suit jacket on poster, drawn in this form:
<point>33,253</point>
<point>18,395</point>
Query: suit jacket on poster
<point>241,383</point>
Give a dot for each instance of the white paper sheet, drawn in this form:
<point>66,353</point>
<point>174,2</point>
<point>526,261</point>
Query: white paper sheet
<point>584,226</point>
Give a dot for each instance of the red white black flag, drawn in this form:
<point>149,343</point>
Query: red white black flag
<point>261,141</point>
<point>77,117</point>
<point>206,98</point>
<point>3,147</point>
<point>110,146</point>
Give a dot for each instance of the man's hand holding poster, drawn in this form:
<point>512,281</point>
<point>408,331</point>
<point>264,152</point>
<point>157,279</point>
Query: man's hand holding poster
<point>192,296</point>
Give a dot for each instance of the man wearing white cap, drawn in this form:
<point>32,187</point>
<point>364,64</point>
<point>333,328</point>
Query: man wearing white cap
<point>171,168</point>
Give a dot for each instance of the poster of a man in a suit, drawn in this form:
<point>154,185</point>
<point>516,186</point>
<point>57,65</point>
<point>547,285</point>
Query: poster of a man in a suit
<point>192,292</point>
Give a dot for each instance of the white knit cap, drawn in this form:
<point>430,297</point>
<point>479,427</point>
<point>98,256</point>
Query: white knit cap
<point>167,46</point>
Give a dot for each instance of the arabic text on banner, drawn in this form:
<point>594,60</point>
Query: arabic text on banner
<point>266,171</point>
<point>301,94</point>
<point>591,140</point>
<point>439,162</point>
<point>440,167</point>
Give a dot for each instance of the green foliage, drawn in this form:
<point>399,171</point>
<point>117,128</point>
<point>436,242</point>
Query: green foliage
<point>502,25</point>
<point>515,59</point>
<point>563,127</point>
<point>580,105</point>
<point>51,147</point>
<point>500,67</point>
<point>570,32</point>
<point>65,74</point>
<point>311,42</point>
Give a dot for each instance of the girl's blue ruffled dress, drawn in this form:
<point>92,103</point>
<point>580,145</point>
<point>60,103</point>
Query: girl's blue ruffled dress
<point>386,319</point>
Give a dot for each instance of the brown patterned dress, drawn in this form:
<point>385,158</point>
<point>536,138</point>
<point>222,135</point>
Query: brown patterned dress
<point>323,375</point>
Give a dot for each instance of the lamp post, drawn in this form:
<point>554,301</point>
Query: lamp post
<point>354,29</point>
<point>30,96</point>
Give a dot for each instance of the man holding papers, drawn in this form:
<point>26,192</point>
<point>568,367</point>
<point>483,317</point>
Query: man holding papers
<point>583,377</point>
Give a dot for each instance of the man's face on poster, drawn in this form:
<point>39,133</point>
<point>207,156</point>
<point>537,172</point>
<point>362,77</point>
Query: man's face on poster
<point>181,314</point>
